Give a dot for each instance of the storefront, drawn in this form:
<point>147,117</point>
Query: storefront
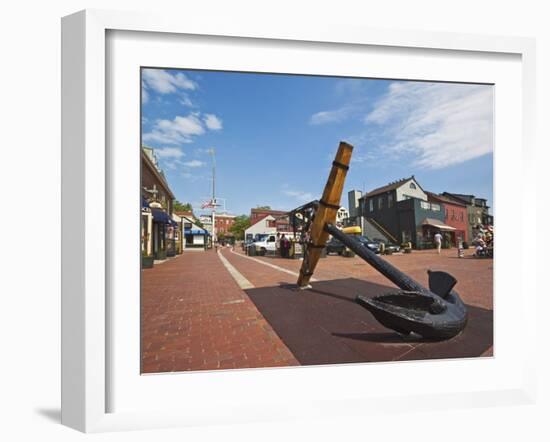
<point>146,228</point>
<point>450,235</point>
<point>171,238</point>
<point>161,221</point>
<point>195,236</point>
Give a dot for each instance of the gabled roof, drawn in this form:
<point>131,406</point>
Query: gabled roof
<point>185,213</point>
<point>445,199</point>
<point>459,197</point>
<point>156,172</point>
<point>265,218</point>
<point>391,186</point>
<point>269,211</point>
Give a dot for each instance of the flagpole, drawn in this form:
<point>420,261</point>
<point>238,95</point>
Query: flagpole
<point>214,235</point>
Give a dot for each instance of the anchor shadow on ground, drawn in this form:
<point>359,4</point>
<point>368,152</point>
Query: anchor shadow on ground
<point>324,325</point>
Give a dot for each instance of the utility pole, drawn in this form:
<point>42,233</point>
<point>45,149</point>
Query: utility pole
<point>214,235</point>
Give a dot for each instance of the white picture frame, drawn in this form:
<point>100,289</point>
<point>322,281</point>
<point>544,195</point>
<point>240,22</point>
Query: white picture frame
<point>85,217</point>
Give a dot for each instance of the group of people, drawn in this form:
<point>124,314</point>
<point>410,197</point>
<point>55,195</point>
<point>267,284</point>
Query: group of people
<point>483,242</point>
<point>283,244</point>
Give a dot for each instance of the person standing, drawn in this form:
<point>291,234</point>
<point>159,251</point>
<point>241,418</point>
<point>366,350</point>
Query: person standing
<point>437,239</point>
<point>284,246</point>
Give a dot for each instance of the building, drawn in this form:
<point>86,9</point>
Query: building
<point>196,237</point>
<point>262,226</point>
<point>179,237</point>
<point>223,223</point>
<point>187,214</point>
<point>157,199</point>
<point>206,221</point>
<point>401,211</point>
<point>341,216</point>
<point>477,209</point>
<point>354,196</point>
<point>456,215</point>
<point>281,220</point>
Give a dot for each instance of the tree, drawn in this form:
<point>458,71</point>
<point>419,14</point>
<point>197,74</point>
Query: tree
<point>242,222</point>
<point>263,207</point>
<point>182,207</point>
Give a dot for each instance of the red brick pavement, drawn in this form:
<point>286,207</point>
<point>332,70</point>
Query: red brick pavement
<point>195,317</point>
<point>475,286</point>
<point>474,275</point>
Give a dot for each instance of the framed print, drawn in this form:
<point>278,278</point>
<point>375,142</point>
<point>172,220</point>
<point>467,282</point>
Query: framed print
<point>179,142</point>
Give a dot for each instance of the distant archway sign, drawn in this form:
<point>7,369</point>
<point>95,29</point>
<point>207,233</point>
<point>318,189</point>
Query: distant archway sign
<point>434,313</point>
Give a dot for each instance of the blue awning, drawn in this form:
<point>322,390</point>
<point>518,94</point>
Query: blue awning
<point>173,223</point>
<point>195,232</point>
<point>160,216</point>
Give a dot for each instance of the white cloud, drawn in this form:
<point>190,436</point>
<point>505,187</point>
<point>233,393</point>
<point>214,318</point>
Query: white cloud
<point>212,122</point>
<point>169,152</point>
<point>186,101</point>
<point>194,163</point>
<point>164,82</point>
<point>332,116</point>
<point>176,131</point>
<point>144,95</point>
<point>299,195</point>
<point>441,124</point>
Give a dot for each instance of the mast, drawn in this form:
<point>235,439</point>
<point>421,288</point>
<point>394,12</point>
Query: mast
<point>213,153</point>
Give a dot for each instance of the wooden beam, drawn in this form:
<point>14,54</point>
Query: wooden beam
<point>326,213</point>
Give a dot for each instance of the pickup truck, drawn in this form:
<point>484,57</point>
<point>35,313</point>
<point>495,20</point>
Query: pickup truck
<point>266,243</point>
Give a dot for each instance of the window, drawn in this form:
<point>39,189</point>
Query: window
<point>424,205</point>
<point>412,186</point>
<point>390,200</point>
<point>461,216</point>
<point>371,205</point>
<point>436,207</point>
<point>380,202</point>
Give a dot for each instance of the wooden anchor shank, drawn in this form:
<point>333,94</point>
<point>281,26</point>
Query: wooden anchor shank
<point>326,213</point>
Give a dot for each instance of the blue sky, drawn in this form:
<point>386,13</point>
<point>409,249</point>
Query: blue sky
<point>275,135</point>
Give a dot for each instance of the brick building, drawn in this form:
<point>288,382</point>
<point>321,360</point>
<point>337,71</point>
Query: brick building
<point>456,215</point>
<point>477,208</point>
<point>223,222</point>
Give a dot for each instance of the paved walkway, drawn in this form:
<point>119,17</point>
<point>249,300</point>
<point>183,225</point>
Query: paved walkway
<point>205,311</point>
<point>325,326</point>
<point>194,316</point>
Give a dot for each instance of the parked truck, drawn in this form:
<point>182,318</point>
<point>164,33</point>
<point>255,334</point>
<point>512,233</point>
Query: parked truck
<point>267,243</point>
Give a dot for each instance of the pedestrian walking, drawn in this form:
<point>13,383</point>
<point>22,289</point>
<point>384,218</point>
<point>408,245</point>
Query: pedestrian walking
<point>437,239</point>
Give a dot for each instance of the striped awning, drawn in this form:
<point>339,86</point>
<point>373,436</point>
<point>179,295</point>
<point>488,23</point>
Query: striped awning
<point>436,223</point>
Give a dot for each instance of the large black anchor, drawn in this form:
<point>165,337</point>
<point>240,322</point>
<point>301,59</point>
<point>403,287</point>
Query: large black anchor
<point>437,313</point>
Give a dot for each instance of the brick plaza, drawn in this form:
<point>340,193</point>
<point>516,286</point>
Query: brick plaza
<point>196,316</point>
